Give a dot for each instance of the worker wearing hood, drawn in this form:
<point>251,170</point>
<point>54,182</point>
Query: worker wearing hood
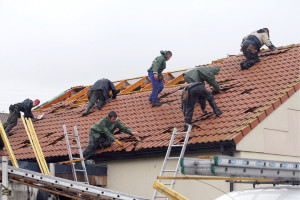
<point>156,76</point>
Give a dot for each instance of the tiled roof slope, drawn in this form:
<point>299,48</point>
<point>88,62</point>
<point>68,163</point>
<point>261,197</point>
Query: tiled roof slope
<point>248,97</point>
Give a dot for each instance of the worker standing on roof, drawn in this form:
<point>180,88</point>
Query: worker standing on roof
<point>15,113</point>
<point>156,76</point>
<point>202,74</point>
<point>101,134</point>
<point>251,45</point>
<point>192,93</point>
<point>99,94</point>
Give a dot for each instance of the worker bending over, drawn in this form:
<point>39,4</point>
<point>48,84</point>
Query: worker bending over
<point>203,74</point>
<point>156,76</point>
<point>99,94</point>
<point>15,113</point>
<point>192,93</point>
<point>101,134</point>
<point>251,45</point>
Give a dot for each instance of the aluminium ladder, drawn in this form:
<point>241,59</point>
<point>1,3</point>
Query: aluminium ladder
<point>63,186</point>
<point>168,157</point>
<point>241,167</point>
<point>78,147</point>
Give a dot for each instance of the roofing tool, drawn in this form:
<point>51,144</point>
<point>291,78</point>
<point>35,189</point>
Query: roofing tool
<point>76,170</point>
<point>119,143</point>
<point>165,167</point>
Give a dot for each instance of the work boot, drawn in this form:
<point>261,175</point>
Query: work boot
<point>243,65</point>
<point>186,127</point>
<point>213,105</point>
<point>84,114</point>
<point>218,112</point>
<point>157,104</point>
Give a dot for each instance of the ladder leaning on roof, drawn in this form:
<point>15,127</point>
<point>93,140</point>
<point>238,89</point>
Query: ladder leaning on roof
<point>168,157</point>
<point>74,159</point>
<point>8,147</point>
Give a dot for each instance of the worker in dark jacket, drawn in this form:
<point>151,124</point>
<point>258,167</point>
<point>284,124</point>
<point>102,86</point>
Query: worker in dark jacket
<point>156,76</point>
<point>101,134</point>
<point>192,92</point>
<point>251,45</point>
<point>99,94</point>
<point>15,113</point>
<point>202,74</point>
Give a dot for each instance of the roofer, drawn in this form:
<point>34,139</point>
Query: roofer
<point>15,113</point>
<point>251,45</point>
<point>101,134</point>
<point>192,93</point>
<point>99,94</point>
<point>202,74</point>
<point>156,76</point>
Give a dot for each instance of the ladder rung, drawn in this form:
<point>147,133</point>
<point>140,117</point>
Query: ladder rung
<point>180,133</point>
<point>177,145</point>
<point>72,135</point>
<point>79,170</point>
<point>168,170</point>
<point>167,183</point>
<point>161,197</point>
<point>172,158</point>
<point>74,147</point>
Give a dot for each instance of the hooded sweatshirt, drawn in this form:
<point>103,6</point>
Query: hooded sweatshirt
<point>201,74</point>
<point>159,63</point>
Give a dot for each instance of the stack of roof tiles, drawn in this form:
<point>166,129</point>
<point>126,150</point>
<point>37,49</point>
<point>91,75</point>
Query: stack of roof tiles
<point>248,97</point>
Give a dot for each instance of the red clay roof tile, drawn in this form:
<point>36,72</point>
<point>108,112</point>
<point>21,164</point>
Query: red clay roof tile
<point>248,96</point>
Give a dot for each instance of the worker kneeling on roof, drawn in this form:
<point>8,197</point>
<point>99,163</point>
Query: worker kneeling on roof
<point>99,94</point>
<point>201,75</point>
<point>251,45</point>
<point>192,93</point>
<point>101,134</point>
<point>15,113</point>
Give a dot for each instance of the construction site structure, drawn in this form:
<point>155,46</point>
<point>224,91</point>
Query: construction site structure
<point>165,169</point>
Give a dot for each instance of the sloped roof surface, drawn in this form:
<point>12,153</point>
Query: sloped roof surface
<point>248,97</point>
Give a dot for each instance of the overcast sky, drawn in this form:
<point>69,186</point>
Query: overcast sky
<point>47,47</point>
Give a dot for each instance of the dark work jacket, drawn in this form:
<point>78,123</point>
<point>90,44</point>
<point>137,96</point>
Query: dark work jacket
<point>255,41</point>
<point>104,127</point>
<point>24,107</point>
<point>105,85</point>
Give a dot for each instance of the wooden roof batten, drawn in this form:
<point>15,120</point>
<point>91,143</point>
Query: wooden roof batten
<point>142,84</point>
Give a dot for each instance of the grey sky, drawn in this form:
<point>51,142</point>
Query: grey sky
<point>46,47</point>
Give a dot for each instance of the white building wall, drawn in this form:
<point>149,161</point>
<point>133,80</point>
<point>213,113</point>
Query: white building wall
<point>278,134</point>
